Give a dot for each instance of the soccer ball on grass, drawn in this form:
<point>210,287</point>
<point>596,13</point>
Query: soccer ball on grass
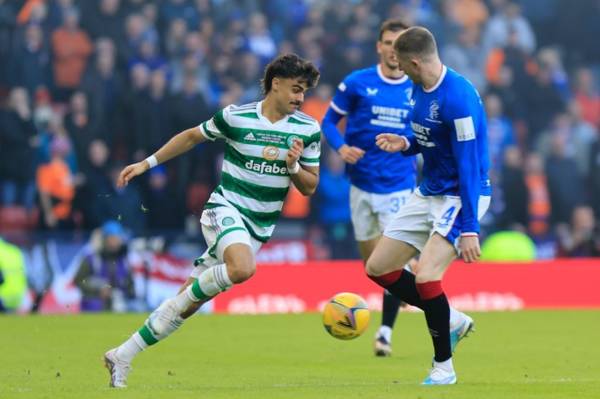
<point>346,316</point>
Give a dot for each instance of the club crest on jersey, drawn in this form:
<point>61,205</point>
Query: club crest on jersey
<point>270,153</point>
<point>227,221</point>
<point>291,139</point>
<point>434,112</point>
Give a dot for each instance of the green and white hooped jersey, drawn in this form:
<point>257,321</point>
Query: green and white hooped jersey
<point>255,179</point>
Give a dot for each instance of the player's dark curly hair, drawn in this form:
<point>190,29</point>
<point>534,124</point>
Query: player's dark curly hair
<point>290,66</point>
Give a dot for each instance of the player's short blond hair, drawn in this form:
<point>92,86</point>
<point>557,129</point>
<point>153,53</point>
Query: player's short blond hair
<point>416,41</point>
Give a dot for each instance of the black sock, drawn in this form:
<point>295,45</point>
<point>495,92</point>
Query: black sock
<point>437,313</point>
<point>391,305</point>
<point>405,289</point>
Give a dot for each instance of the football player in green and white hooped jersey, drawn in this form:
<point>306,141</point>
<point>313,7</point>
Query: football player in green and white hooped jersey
<point>268,144</point>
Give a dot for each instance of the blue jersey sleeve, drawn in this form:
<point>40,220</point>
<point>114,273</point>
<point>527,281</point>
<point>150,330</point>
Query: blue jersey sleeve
<point>345,96</point>
<point>462,117</point>
<point>341,104</point>
<point>413,148</point>
<point>330,130</point>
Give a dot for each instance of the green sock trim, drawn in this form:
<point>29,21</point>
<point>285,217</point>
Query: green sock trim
<point>147,335</point>
<point>198,292</point>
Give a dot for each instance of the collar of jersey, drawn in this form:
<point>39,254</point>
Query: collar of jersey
<point>439,81</point>
<point>389,80</point>
<point>265,119</point>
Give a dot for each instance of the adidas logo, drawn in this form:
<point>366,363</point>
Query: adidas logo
<point>250,137</point>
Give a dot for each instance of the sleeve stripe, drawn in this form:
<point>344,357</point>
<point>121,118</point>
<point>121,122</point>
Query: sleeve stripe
<point>338,109</point>
<point>205,132</point>
<point>305,159</point>
<point>202,129</point>
<point>219,121</point>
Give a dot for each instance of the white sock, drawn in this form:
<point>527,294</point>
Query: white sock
<point>208,284</point>
<point>386,333</point>
<point>130,348</point>
<point>445,365</point>
<point>184,299</point>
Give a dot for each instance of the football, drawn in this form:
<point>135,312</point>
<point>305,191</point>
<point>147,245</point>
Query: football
<point>346,316</point>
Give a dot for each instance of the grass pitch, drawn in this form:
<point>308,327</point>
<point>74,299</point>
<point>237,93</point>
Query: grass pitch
<point>542,354</point>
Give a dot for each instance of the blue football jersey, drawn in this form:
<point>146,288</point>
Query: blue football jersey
<point>449,126</point>
<point>373,104</point>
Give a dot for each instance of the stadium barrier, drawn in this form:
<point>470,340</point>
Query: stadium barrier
<point>287,282</point>
<point>283,288</point>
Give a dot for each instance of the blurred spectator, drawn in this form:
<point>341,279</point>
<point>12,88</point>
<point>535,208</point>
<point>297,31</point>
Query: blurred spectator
<point>550,59</point>
<point>175,38</point>
<point>104,18</point>
<point>543,101</point>
<point>507,18</point>
<point>96,187</point>
<point>152,118</point>
<point>539,199</point>
<point>580,238</point>
<point>54,128</point>
<point>71,47</point>
<point>162,202</point>
<point>317,104</point>
<point>104,275</point>
<point>81,126</point>
<point>8,22</point>
<point>334,208</point>
<point>30,62</point>
<point>593,179</point>
<point>188,109</point>
<point>248,77</point>
<point>467,56</point>
<point>17,140</point>
<point>172,10</point>
<point>515,193</point>
<point>106,83</point>
<point>13,281</point>
<point>259,38</point>
<point>122,203</point>
<point>466,14</point>
<point>56,187</point>
<point>500,133</point>
<point>564,181</point>
<point>587,96</point>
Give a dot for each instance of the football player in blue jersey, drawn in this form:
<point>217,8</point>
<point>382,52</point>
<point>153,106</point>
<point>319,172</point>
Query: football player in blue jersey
<point>374,100</point>
<point>441,219</point>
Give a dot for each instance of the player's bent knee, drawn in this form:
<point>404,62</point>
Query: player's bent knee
<point>371,267</point>
<point>241,271</point>
<point>425,276</point>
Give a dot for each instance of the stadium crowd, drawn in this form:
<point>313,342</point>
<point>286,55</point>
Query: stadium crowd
<point>89,86</point>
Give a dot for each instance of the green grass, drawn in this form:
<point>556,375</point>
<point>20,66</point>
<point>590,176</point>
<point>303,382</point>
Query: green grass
<point>511,355</point>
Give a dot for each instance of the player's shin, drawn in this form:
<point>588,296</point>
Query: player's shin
<point>437,314</point>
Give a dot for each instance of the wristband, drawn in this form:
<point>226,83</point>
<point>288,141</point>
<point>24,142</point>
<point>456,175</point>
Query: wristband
<point>294,169</point>
<point>152,161</point>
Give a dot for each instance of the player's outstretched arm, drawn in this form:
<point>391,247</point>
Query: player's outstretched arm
<point>177,145</point>
<point>391,142</point>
